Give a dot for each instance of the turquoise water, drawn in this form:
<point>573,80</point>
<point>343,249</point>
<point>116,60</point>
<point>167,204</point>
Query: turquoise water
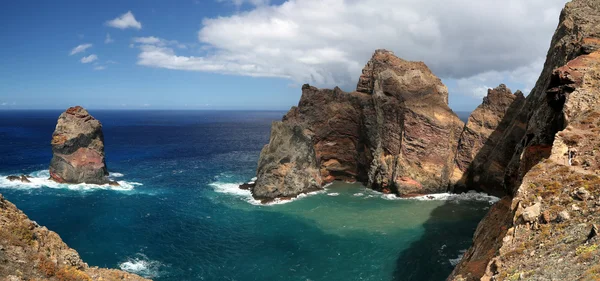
<point>180,216</point>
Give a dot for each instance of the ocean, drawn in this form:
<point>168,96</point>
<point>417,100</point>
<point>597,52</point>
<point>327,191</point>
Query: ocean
<point>178,214</point>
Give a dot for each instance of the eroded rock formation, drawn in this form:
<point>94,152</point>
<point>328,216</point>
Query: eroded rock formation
<point>396,133</point>
<point>78,149</point>
<point>477,163</point>
<point>32,252</point>
<point>546,229</point>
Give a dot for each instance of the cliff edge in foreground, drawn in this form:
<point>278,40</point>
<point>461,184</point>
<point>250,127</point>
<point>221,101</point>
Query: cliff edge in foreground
<point>395,133</point>
<point>32,252</point>
<point>78,149</point>
<point>547,228</point>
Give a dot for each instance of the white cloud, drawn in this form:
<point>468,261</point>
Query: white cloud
<point>327,42</point>
<point>478,84</point>
<point>126,20</point>
<point>99,67</point>
<point>151,40</point>
<point>89,58</point>
<point>252,2</point>
<point>4,103</point>
<point>80,48</point>
<point>108,39</point>
<point>146,40</point>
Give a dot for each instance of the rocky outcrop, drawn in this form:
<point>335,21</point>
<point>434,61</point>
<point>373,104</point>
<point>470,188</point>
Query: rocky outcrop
<point>29,251</point>
<point>546,228</point>
<point>78,149</point>
<point>476,163</point>
<point>396,134</point>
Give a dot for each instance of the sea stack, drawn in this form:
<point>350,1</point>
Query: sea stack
<point>395,133</point>
<point>78,149</point>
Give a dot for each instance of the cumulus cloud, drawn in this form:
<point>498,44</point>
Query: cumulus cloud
<point>327,42</point>
<point>477,85</point>
<point>124,21</point>
<point>108,39</point>
<point>89,58</point>
<point>79,49</point>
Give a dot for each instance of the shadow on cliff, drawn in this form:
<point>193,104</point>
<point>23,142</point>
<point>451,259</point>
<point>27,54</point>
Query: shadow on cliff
<point>447,233</point>
<point>497,151</point>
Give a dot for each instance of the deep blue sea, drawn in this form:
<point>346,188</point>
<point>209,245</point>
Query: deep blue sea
<point>179,215</point>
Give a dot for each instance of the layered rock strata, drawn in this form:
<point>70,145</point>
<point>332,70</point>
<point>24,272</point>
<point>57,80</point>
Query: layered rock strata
<point>29,251</point>
<point>546,229</point>
<point>78,149</point>
<point>395,133</point>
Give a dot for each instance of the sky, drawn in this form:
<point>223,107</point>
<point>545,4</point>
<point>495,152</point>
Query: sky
<point>256,54</point>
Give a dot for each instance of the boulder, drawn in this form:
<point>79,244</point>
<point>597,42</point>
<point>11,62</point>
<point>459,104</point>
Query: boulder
<point>78,149</point>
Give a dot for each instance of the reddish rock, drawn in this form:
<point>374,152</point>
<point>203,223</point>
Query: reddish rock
<point>396,125</point>
<point>78,149</point>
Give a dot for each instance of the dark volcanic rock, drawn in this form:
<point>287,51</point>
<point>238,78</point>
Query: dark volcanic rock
<point>396,133</point>
<point>475,159</point>
<point>21,178</point>
<point>78,149</point>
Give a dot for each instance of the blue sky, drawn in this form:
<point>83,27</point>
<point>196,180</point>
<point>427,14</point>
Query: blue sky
<point>255,54</point>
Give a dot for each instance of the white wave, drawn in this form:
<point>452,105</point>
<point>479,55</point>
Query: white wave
<point>116,175</point>
<point>333,194</point>
<point>41,179</point>
<point>359,194</point>
<point>233,189</point>
<point>468,196</point>
<point>456,260</point>
<point>141,265</point>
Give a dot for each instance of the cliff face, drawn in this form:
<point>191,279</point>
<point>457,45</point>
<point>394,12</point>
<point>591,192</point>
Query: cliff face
<point>78,149</point>
<point>396,133</point>
<point>477,160</point>
<point>546,229</point>
<point>32,252</point>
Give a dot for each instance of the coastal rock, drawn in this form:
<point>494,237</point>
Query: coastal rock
<point>561,126</point>
<point>21,178</point>
<point>475,166</point>
<point>78,149</point>
<point>32,252</point>
<point>395,133</point>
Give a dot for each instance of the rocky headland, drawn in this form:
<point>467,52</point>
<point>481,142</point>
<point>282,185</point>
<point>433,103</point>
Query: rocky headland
<point>395,133</point>
<point>546,226</point>
<point>29,251</point>
<point>78,149</point>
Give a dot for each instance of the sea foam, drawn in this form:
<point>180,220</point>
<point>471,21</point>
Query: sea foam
<point>467,196</point>
<point>141,265</point>
<point>246,195</point>
<point>41,179</point>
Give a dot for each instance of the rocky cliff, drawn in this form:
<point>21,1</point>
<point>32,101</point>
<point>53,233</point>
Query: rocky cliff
<point>546,228</point>
<point>32,252</point>
<point>486,131</point>
<point>395,133</point>
<point>78,149</point>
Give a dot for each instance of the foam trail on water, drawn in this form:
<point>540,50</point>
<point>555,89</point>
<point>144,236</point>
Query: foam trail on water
<point>233,189</point>
<point>40,179</point>
<point>141,265</point>
<point>456,260</point>
<point>468,196</point>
